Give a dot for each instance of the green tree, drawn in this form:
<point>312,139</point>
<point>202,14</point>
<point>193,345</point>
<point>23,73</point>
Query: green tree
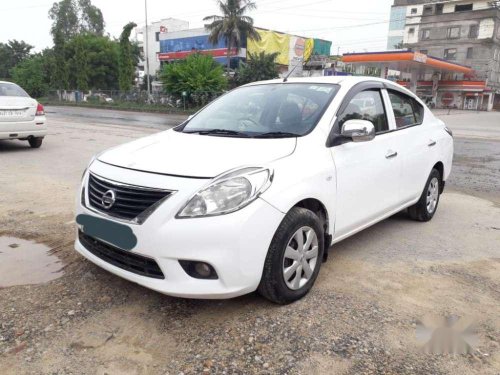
<point>65,20</point>
<point>91,18</point>
<point>11,54</point>
<point>30,74</point>
<point>196,74</point>
<point>259,67</point>
<point>73,17</point>
<point>127,60</point>
<point>233,26</point>
<point>92,62</point>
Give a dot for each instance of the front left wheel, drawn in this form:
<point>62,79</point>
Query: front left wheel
<point>294,257</point>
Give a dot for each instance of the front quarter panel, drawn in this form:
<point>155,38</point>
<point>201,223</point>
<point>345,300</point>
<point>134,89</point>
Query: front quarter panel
<point>308,173</point>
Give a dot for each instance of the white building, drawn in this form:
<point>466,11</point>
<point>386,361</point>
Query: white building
<point>155,29</point>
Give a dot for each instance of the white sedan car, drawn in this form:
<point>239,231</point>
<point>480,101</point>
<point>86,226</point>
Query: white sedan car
<point>249,193</point>
<point>21,117</point>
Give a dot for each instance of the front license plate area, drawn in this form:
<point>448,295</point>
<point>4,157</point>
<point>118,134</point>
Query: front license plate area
<point>115,234</point>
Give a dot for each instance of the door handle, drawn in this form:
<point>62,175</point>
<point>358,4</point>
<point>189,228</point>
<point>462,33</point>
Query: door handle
<point>432,143</point>
<point>391,154</point>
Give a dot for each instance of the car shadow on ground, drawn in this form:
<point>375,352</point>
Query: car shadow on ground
<point>14,145</point>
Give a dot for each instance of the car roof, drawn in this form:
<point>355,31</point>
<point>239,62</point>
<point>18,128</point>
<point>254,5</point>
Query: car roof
<point>10,83</point>
<point>350,80</point>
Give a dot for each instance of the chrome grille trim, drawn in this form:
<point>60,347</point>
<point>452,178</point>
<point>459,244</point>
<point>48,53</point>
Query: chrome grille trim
<point>133,204</point>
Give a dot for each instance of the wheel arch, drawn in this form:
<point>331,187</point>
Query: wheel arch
<point>320,210</point>
<point>439,166</point>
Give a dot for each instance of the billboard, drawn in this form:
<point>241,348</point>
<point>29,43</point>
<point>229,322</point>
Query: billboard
<point>179,48</point>
<point>291,49</point>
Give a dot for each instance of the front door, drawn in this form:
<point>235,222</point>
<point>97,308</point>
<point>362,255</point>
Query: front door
<point>368,173</point>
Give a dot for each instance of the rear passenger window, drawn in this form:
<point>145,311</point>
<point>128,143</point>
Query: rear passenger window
<point>407,110</point>
<point>366,105</point>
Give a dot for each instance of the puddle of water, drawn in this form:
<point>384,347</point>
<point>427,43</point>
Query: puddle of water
<point>24,262</point>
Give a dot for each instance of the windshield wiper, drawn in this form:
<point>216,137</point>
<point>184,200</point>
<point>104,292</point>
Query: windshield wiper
<point>277,135</point>
<point>218,132</point>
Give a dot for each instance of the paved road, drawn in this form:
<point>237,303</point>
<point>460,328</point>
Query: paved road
<point>359,318</point>
<point>113,117</point>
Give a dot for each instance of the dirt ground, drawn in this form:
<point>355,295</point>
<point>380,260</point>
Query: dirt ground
<point>360,318</point>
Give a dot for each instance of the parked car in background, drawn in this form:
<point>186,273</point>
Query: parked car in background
<point>21,117</point>
<point>249,193</point>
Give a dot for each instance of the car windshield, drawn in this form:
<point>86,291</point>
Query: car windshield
<point>10,89</point>
<point>269,110</point>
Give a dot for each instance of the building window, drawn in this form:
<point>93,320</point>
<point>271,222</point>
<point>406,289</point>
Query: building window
<point>473,31</point>
<point>426,34</point>
<point>439,8</point>
<point>450,54</point>
<point>424,51</point>
<point>157,36</point>
<point>453,32</point>
<point>463,7</point>
<point>413,10</point>
<point>411,30</point>
<point>470,53</point>
<point>428,10</point>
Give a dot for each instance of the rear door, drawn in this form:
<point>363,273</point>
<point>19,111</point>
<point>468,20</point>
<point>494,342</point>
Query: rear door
<point>368,173</point>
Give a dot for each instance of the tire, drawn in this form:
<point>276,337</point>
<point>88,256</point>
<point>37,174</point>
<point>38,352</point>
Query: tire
<point>273,285</point>
<point>35,142</point>
<point>423,210</point>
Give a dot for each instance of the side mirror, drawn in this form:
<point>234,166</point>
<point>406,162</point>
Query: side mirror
<point>358,130</point>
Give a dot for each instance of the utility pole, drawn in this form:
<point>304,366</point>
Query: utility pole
<point>147,49</point>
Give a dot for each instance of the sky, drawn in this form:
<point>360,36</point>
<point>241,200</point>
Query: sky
<point>351,25</point>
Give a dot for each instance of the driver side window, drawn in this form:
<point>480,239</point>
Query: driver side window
<point>366,105</point>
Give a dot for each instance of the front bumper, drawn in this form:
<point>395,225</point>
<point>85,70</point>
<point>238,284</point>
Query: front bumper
<point>235,245</point>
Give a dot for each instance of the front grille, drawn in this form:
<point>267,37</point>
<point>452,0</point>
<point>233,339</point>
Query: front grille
<point>130,201</point>
<point>135,263</point>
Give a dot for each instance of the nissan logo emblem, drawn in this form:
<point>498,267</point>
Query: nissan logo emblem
<point>108,199</point>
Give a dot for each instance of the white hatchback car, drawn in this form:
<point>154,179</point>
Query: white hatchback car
<point>21,117</point>
<point>249,193</point>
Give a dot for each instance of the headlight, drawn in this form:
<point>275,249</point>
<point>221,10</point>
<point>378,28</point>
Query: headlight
<point>228,193</point>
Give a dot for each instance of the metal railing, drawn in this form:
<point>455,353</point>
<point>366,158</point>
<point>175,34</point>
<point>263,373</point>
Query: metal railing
<point>133,99</point>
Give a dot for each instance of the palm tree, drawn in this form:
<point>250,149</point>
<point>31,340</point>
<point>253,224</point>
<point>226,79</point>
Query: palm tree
<point>233,26</point>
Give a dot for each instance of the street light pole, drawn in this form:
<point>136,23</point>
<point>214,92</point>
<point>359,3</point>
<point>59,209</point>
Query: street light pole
<point>147,48</point>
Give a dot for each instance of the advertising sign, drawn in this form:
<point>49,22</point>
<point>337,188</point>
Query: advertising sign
<point>291,49</point>
<point>176,49</point>
<point>271,42</point>
<point>300,50</point>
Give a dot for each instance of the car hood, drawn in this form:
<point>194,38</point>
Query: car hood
<point>193,155</point>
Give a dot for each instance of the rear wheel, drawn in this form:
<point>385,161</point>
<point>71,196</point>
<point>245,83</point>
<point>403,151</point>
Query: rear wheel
<point>427,205</point>
<point>294,258</point>
<point>35,142</point>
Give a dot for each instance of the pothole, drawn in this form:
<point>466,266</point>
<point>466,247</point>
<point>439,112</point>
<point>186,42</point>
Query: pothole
<point>24,262</point>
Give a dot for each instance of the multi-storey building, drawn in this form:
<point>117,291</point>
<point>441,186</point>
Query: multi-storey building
<point>154,30</point>
<point>462,32</point>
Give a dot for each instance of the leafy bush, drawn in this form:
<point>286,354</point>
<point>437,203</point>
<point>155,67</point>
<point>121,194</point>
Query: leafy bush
<point>195,75</point>
<point>258,67</point>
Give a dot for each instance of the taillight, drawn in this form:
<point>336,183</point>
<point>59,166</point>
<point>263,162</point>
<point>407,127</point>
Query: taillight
<point>39,110</point>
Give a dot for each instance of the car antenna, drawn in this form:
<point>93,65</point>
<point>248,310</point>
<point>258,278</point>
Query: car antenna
<point>293,70</point>
<point>290,73</point>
